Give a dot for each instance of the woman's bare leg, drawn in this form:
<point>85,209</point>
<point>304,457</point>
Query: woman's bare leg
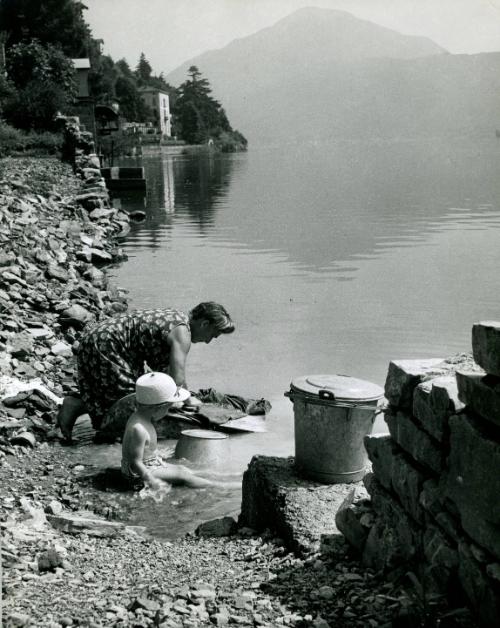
<point>70,410</point>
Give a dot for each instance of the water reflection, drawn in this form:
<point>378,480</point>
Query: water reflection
<point>190,184</point>
<point>322,207</point>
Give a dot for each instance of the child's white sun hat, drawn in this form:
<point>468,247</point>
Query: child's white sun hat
<point>152,389</point>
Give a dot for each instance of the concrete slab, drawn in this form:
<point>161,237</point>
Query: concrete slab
<point>302,512</point>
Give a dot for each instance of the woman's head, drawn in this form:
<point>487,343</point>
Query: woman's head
<point>209,320</point>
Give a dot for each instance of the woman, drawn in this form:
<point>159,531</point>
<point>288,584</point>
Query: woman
<point>116,351</point>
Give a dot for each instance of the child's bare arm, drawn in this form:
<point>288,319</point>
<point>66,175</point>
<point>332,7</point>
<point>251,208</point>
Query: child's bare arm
<point>138,441</point>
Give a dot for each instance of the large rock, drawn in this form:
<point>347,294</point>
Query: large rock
<point>75,316</point>
<point>404,376</point>
<point>439,509</point>
<point>434,401</point>
<point>486,346</point>
<point>395,473</point>
<point>22,345</point>
<point>300,511</point>
<point>441,554</point>
<point>473,480</point>
<point>394,540</point>
<point>75,524</point>
<point>481,394</point>
<point>225,526</point>
<point>415,441</point>
<point>483,592</point>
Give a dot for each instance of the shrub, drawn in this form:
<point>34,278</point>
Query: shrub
<point>15,141</point>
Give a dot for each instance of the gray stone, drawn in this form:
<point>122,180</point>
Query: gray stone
<point>61,348</point>
<point>415,441</point>
<point>473,467</point>
<point>49,560</point>
<point>54,271</point>
<point>75,316</point>
<point>486,346</point>
<point>395,473</point>
<point>493,571</point>
<point>404,376</point>
<point>473,481</point>
<point>99,256</point>
<point>18,620</point>
<point>394,539</point>
<point>433,501</point>
<point>441,554</point>
<point>481,590</point>
<point>75,524</point>
<point>225,526</point>
<point>434,401</point>
<point>21,345</point>
<point>54,507</point>
<point>347,522</point>
<point>481,394</point>
<point>300,511</point>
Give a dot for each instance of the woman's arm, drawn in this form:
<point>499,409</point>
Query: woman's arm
<point>179,342</point>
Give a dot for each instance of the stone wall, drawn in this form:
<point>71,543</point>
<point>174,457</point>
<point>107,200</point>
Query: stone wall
<point>435,485</point>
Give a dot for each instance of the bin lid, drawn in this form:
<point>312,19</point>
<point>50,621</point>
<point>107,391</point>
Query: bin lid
<point>343,387</point>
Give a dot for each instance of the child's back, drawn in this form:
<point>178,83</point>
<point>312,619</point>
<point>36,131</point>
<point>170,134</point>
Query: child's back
<point>141,464</point>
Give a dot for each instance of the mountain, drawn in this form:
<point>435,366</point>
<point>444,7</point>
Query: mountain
<point>320,73</point>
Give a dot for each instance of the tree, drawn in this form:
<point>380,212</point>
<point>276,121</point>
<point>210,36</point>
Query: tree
<point>48,21</point>
<point>198,115</point>
<point>143,70</point>
<point>44,82</point>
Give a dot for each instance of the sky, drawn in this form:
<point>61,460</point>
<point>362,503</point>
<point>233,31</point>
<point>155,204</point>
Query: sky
<point>170,32</point>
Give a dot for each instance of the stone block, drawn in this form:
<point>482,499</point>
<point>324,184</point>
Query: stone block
<point>225,526</point>
<point>473,477</point>
<point>415,441</point>
<point>482,591</point>
<point>441,555</point>
<point>381,449</point>
<point>348,523</point>
<point>395,473</point>
<point>486,346</point>
<point>76,523</point>
<point>481,394</point>
<point>300,511</point>
<point>439,510</point>
<point>404,376</point>
<point>434,401</point>
<point>22,345</point>
<point>472,481</point>
<point>394,539</point>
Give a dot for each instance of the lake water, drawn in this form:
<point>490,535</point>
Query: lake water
<point>331,258</point>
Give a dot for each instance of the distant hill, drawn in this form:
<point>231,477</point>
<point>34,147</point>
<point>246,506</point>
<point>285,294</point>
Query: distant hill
<point>320,73</point>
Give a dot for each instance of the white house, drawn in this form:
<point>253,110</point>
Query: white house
<point>160,104</point>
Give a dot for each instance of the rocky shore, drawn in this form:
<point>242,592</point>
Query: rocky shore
<point>67,561</point>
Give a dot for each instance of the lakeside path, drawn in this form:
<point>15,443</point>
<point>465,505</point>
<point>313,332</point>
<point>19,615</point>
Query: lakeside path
<point>60,569</point>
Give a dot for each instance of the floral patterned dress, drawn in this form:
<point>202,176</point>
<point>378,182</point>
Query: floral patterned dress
<point>112,354</point>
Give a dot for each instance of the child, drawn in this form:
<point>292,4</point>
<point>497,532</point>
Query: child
<point>141,464</point>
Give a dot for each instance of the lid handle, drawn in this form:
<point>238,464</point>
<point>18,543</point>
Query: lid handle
<point>326,394</point>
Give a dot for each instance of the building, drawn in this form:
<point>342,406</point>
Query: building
<point>84,105</point>
<point>160,104</point>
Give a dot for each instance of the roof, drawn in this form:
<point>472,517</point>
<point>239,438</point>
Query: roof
<point>152,90</point>
<point>81,64</point>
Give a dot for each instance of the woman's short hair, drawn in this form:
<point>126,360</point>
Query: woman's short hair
<point>216,314</point>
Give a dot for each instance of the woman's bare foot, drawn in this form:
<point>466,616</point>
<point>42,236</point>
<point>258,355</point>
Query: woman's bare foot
<point>70,410</point>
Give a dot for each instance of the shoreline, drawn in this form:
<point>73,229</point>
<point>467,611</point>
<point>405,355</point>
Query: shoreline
<point>67,560</point>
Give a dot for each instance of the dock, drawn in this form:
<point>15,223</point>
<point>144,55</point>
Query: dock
<point>118,178</point>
